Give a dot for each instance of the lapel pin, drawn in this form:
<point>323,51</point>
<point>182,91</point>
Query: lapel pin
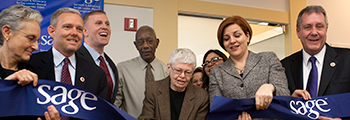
<point>332,64</point>
<point>82,79</point>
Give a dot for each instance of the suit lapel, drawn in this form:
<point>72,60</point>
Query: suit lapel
<point>49,65</point>
<point>230,68</point>
<point>79,72</point>
<point>252,61</point>
<point>112,65</point>
<point>85,54</point>
<point>164,100</point>
<point>115,72</point>
<point>188,103</point>
<point>327,70</point>
<point>297,70</point>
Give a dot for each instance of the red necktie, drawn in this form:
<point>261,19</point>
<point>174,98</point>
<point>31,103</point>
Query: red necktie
<point>65,78</point>
<point>103,65</point>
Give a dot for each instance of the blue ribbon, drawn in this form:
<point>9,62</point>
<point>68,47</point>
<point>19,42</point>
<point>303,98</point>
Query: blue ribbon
<point>282,107</point>
<point>69,101</point>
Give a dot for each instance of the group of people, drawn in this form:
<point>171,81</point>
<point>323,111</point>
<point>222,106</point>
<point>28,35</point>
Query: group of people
<point>147,88</point>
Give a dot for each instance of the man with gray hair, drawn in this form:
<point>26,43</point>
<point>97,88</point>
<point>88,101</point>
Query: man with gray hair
<point>61,63</point>
<point>318,69</point>
<point>174,98</point>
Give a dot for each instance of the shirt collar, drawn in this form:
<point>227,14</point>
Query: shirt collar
<point>319,56</point>
<point>94,54</point>
<point>144,63</point>
<point>58,58</point>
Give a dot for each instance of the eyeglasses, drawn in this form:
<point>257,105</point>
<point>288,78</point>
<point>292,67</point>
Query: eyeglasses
<point>179,72</point>
<point>213,61</point>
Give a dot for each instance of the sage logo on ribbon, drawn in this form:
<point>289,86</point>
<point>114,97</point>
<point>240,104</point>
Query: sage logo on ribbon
<point>310,108</point>
<point>76,98</point>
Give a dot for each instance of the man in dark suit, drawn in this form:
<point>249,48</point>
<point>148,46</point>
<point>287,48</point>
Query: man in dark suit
<point>66,30</point>
<point>97,33</point>
<point>331,63</point>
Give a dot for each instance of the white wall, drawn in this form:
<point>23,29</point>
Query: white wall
<point>121,46</point>
<point>274,44</point>
<point>338,19</point>
<point>200,35</point>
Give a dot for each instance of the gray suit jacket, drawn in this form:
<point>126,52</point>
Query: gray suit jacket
<point>260,68</point>
<point>156,104</point>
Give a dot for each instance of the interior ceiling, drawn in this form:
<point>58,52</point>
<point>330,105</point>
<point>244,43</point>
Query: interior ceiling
<point>278,5</point>
<point>258,29</point>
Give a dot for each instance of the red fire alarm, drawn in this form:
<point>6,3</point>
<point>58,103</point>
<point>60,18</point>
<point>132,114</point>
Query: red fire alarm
<point>130,24</point>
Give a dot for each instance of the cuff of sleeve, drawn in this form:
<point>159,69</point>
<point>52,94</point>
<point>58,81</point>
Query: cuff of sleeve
<point>274,92</point>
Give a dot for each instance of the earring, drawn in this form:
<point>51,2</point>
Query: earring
<point>7,39</point>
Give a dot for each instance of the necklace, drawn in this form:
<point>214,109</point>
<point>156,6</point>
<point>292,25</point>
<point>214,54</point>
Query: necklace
<point>240,70</point>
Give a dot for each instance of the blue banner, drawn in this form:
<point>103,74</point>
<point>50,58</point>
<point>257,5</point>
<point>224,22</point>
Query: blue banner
<point>68,100</point>
<point>48,7</point>
<point>282,107</point>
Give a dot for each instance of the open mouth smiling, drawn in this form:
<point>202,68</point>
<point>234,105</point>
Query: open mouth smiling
<point>103,34</point>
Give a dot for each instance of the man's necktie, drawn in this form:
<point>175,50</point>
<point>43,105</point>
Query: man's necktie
<point>313,78</point>
<point>103,65</point>
<point>65,78</point>
<point>149,75</point>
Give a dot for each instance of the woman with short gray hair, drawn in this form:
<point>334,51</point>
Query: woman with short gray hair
<point>20,31</point>
<point>174,98</point>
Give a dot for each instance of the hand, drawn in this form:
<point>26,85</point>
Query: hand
<point>244,116</point>
<point>328,118</point>
<point>24,77</point>
<point>263,97</point>
<point>301,94</point>
<point>53,114</point>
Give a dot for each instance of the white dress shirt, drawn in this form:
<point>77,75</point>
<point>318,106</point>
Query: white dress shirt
<point>58,60</point>
<point>307,65</point>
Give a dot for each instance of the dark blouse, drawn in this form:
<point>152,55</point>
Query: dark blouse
<point>5,72</point>
<point>176,100</point>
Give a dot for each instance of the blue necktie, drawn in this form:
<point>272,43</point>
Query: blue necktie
<point>312,82</point>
